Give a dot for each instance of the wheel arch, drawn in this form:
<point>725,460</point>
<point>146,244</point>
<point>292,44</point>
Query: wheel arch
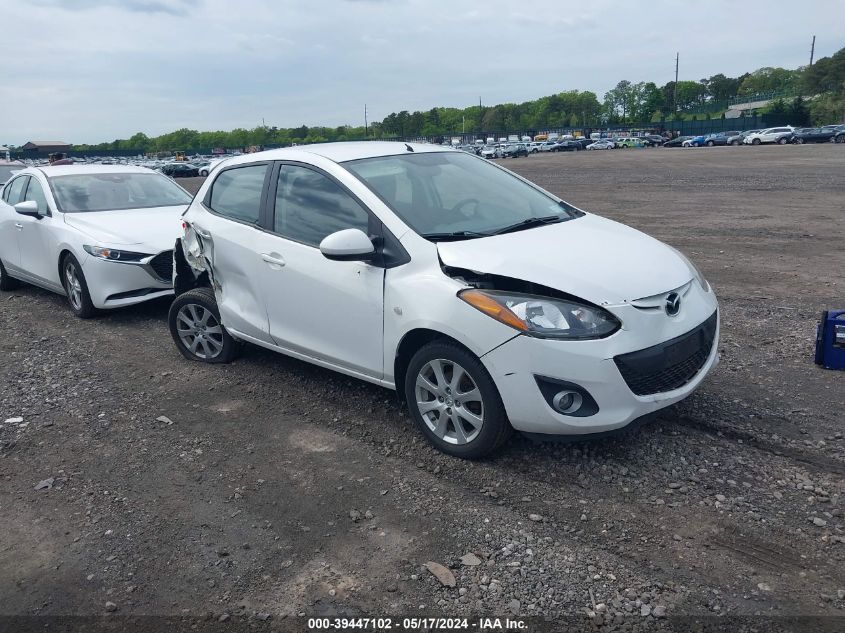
<point>412,341</point>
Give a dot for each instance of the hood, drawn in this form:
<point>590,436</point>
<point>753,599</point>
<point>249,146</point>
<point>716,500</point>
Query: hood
<point>592,258</point>
<point>156,228</point>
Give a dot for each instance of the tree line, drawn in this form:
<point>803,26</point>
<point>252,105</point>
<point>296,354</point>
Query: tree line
<point>823,84</point>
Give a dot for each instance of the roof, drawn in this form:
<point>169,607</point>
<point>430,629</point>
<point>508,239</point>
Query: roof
<point>51,171</point>
<point>47,143</point>
<point>340,152</point>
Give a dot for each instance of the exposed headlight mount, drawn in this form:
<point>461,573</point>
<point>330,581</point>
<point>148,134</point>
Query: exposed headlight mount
<point>543,317</point>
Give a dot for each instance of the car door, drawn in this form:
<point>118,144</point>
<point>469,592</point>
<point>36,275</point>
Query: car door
<point>332,311</point>
<point>37,238</point>
<point>10,224</point>
<point>229,229</point>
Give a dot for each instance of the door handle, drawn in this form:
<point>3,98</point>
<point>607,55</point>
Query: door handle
<point>18,226</point>
<point>273,260</point>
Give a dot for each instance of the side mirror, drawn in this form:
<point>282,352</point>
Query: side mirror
<point>28,207</point>
<point>349,245</point>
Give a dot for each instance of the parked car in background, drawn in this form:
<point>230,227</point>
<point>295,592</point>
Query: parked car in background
<point>814,135</point>
<point>548,146</point>
<point>719,138</point>
<point>653,140</point>
<point>180,170</point>
<point>8,168</point>
<point>568,145</point>
<point>779,135</point>
<point>206,169</point>
<point>630,141</point>
<point>491,151</point>
<point>678,141</point>
<point>407,287</point>
<point>103,236</point>
<point>604,143</point>
<point>737,138</point>
<point>514,150</point>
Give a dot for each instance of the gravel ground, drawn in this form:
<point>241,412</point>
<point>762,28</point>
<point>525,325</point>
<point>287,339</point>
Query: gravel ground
<point>134,482</point>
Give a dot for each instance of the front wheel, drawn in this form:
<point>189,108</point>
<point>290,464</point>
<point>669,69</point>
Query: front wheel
<point>756,141</point>
<point>799,141</point>
<point>710,143</point>
<point>195,327</point>
<point>455,402</point>
<point>782,141</point>
<point>734,143</point>
<point>7,283</point>
<point>76,288</point>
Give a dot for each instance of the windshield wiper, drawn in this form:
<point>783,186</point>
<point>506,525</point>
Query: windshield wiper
<point>455,235</point>
<point>529,223</point>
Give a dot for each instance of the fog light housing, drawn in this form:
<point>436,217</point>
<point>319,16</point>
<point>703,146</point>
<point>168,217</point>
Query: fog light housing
<point>567,398</point>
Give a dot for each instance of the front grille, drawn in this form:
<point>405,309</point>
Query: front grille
<point>162,265</point>
<point>669,365</point>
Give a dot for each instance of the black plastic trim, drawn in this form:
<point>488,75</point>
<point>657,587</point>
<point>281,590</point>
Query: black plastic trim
<point>549,387</point>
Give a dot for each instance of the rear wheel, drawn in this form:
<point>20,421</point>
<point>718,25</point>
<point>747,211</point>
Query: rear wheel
<point>7,283</point>
<point>734,142</point>
<point>195,327</point>
<point>76,288</point>
<point>710,143</point>
<point>454,401</point>
<point>782,140</point>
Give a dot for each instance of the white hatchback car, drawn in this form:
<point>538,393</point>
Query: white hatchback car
<point>102,235</point>
<point>488,303</point>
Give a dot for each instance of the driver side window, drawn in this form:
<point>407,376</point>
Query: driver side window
<point>14,191</point>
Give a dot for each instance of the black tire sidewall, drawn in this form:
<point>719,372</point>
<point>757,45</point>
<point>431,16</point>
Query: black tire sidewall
<point>87,310</point>
<point>6,282</point>
<point>203,297</point>
<point>496,428</point>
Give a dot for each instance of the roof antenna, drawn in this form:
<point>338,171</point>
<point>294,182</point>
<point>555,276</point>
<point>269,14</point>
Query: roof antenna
<point>410,149</point>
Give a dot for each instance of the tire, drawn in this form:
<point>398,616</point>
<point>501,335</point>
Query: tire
<point>7,283</point>
<point>782,140</point>
<point>710,143</point>
<point>734,143</point>
<point>471,429</point>
<point>755,141</point>
<point>798,141</point>
<point>194,322</point>
<point>840,138</point>
<point>204,173</point>
<point>76,288</point>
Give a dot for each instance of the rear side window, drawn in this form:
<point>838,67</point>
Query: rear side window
<point>310,206</point>
<point>14,191</point>
<point>236,193</point>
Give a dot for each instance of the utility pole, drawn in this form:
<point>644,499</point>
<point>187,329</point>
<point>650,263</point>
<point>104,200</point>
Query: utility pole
<point>812,50</point>
<point>675,90</point>
<point>366,131</point>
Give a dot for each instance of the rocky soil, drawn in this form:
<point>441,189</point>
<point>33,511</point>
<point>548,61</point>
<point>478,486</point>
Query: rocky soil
<point>135,482</point>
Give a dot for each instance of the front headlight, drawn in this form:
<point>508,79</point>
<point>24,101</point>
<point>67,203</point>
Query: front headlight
<point>699,276</point>
<point>544,317</point>
<point>112,254</point>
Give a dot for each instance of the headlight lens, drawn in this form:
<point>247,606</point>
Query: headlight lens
<point>695,271</point>
<point>544,317</point>
<point>113,254</point>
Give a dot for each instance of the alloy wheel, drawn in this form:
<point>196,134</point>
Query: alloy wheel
<point>199,331</point>
<point>73,286</point>
<point>449,401</point>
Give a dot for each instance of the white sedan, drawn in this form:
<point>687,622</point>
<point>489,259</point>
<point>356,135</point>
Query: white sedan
<point>101,235</point>
<point>488,303</point>
<point>604,143</point>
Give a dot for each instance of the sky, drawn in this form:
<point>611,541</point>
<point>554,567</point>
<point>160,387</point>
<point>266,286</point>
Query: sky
<point>88,71</point>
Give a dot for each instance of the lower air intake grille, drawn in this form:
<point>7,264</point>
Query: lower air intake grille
<point>162,265</point>
<point>669,365</point>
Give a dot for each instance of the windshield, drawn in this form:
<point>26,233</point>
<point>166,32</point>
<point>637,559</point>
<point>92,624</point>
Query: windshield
<point>82,193</point>
<point>443,194</point>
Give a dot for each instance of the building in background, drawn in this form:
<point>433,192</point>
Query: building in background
<point>46,146</point>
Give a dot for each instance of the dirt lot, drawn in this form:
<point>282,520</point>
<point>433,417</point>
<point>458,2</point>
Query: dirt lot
<point>274,487</point>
